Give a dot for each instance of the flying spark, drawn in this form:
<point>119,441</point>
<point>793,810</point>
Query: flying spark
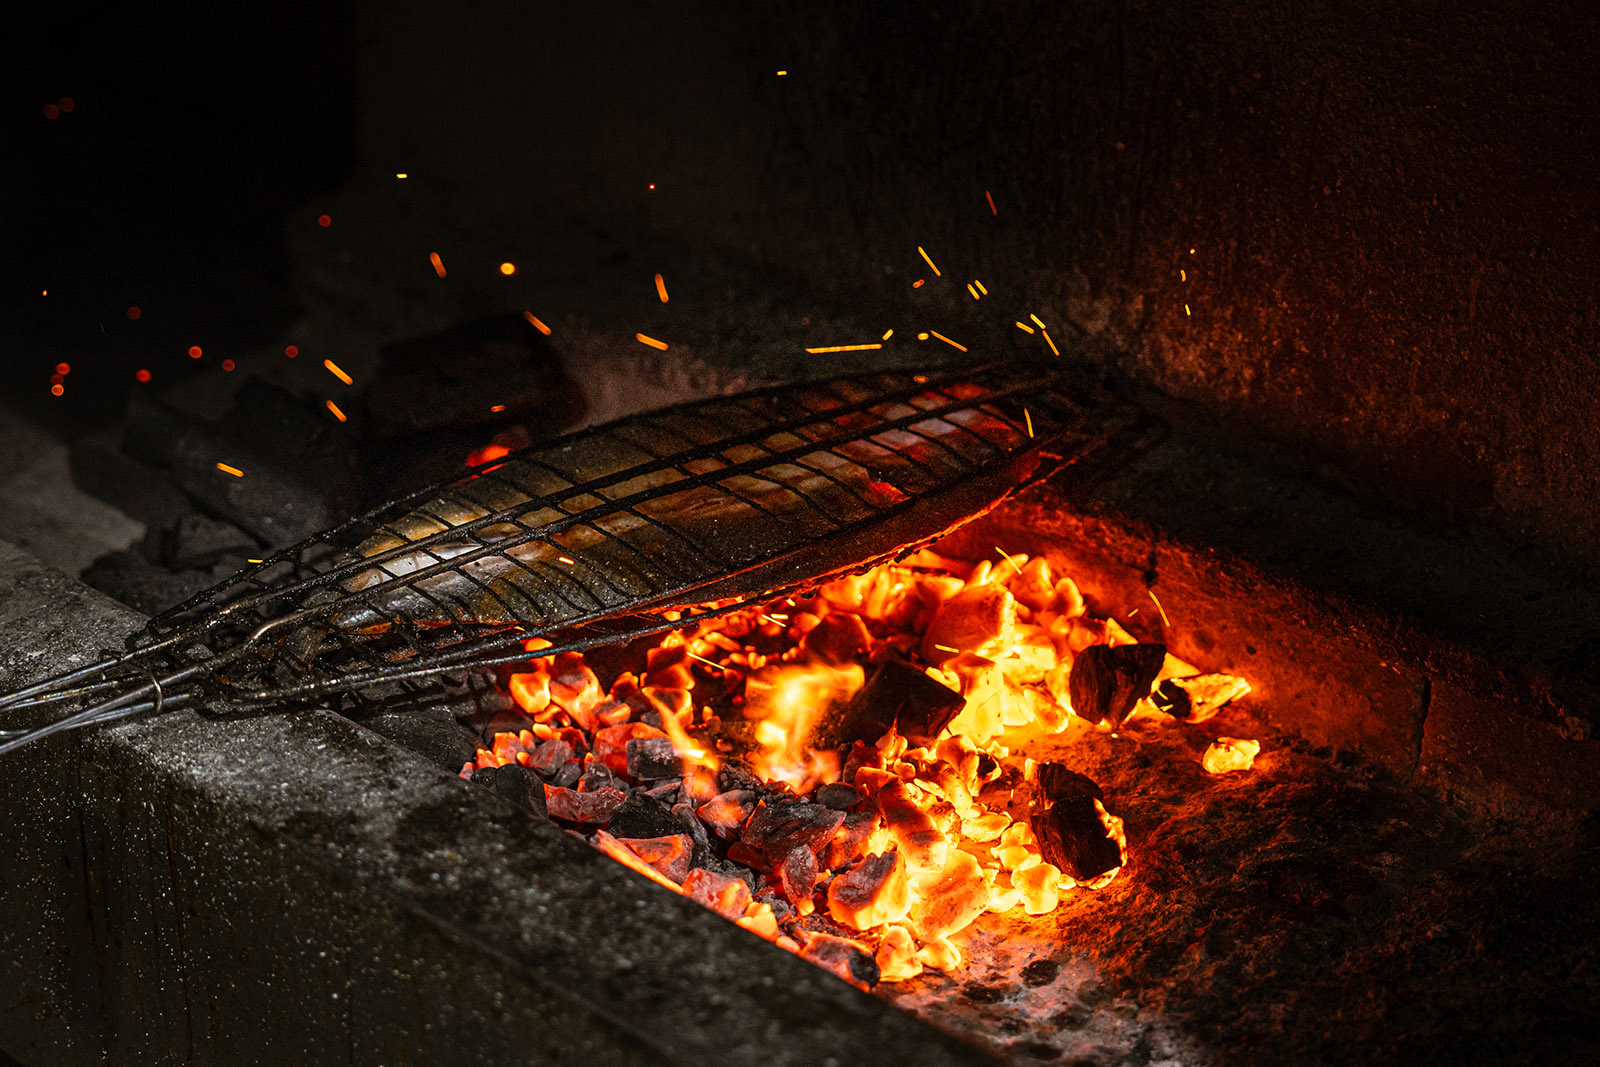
<point>537,325</point>
<point>931,267</point>
<point>438,264</point>
<point>335,409</point>
<point>843,348</point>
<point>338,372</point>
<point>887,334</point>
<point>1025,327</point>
<point>1164,620</point>
<point>661,288</point>
<point>947,340</point>
<point>225,469</point>
<point>651,341</point>
<point>992,209</point>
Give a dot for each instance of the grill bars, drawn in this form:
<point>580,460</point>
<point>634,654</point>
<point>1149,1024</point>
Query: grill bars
<point>639,526</point>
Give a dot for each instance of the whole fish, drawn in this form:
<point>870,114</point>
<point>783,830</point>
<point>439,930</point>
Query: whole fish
<point>600,534</point>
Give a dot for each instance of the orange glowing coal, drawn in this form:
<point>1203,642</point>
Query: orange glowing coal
<point>844,774</point>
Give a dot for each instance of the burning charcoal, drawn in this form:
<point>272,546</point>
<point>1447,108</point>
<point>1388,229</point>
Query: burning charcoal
<point>725,895</point>
<point>925,848</point>
<point>668,668</point>
<point>1207,694</point>
<point>873,892</point>
<point>838,795</point>
<point>1106,682</point>
<point>838,638</point>
<point>978,619</point>
<point>776,829</point>
<point>737,774</point>
<point>643,816</point>
<point>611,743</point>
<point>726,812</point>
<point>1230,754</point>
<point>669,855</point>
<point>1072,837</point>
<point>550,756</point>
<point>651,758</point>
<point>575,689</point>
<point>951,898</point>
<point>588,808</point>
<point>516,783</point>
<point>1036,887</point>
<point>849,839</point>
<point>684,814</point>
<point>850,960</point>
<point>797,876</point>
<point>897,695</point>
<point>897,955</point>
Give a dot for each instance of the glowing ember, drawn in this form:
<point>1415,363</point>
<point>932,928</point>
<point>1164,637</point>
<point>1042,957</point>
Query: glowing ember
<point>847,767</point>
<point>1230,754</point>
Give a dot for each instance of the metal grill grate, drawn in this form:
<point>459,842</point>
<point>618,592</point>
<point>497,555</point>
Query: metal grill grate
<point>596,537</point>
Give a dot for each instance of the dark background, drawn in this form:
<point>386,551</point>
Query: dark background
<point>1382,222</point>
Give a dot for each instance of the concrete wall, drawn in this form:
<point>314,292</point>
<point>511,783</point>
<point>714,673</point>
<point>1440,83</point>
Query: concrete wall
<point>1382,221</point>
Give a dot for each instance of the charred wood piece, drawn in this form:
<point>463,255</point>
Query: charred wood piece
<point>1106,681</point>
<point>897,696</point>
<point>1065,818</point>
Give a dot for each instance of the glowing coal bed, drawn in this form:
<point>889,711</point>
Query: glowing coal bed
<point>882,777</point>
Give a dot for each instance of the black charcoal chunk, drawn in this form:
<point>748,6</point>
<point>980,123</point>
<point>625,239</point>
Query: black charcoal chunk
<point>1105,682</point>
<point>652,758</point>
<point>1056,782</point>
<point>515,783</point>
<point>838,795</point>
<point>644,816</point>
<point>568,775</point>
<point>1072,837</point>
<point>737,774</point>
<point>1173,699</point>
<point>897,695</point>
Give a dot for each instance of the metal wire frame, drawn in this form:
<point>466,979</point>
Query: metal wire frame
<point>462,575</point>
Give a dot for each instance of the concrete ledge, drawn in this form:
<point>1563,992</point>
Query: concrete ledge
<point>296,889</point>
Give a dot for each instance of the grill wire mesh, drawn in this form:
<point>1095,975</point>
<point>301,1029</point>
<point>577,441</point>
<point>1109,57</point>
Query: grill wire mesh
<point>638,526</point>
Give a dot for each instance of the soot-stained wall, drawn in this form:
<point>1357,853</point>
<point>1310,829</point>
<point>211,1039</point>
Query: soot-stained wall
<point>1366,232</point>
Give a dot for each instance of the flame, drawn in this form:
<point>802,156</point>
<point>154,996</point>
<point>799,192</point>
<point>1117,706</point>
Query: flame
<point>788,700</point>
<point>935,833</point>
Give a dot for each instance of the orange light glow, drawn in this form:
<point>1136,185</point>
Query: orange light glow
<point>922,336</point>
<point>402,175</point>
<point>782,73</point>
<point>227,364</point>
<point>227,469</point>
<point>918,284</point>
<point>324,220</point>
<point>438,264</point>
<point>57,389</point>
<point>661,288</point>
<point>652,186</point>
<point>291,351</point>
<point>51,111</point>
<point>338,372</point>
<point>487,454</point>
<point>508,269</point>
<point>1227,754</point>
<point>845,348</point>
<point>335,409</point>
<point>536,323</point>
<point>497,408</point>
<point>947,340</point>
<point>651,341</point>
<point>887,334</point>
<point>194,352</point>
<point>63,368</point>
<point>992,209</point>
<point>925,258</point>
<point>941,828</point>
<point>141,375</point>
<point>133,311</point>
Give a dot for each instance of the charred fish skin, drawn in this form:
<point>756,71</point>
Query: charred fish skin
<point>598,536</point>
<point>634,509</point>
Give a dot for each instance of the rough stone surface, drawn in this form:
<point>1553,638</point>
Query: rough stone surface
<point>296,889</point>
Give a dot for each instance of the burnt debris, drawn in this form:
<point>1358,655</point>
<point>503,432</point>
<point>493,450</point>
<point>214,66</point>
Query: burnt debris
<point>1106,681</point>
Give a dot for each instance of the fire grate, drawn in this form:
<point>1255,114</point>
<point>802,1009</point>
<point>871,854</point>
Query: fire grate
<point>640,526</point>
